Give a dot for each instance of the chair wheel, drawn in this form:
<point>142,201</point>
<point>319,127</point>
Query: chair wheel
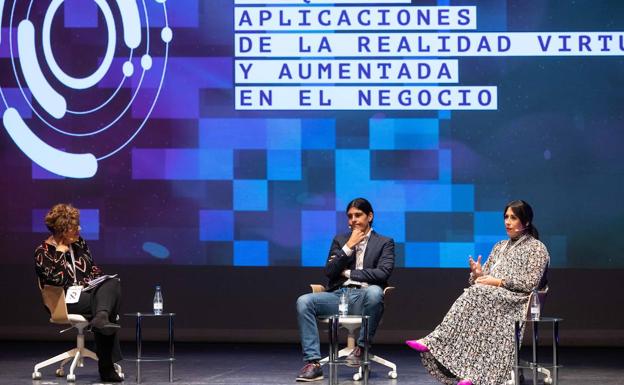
<point>36,375</point>
<point>60,372</point>
<point>71,378</point>
<point>392,374</point>
<point>357,376</point>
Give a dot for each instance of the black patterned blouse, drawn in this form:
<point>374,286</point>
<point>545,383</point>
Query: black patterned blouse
<point>55,268</point>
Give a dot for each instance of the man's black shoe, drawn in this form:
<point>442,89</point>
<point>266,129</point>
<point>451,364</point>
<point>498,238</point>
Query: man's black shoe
<point>355,357</point>
<point>310,372</point>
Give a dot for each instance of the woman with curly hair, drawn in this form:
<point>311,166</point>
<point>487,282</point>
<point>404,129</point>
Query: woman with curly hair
<point>63,259</point>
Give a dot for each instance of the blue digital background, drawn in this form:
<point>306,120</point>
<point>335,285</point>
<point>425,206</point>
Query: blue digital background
<point>204,184</point>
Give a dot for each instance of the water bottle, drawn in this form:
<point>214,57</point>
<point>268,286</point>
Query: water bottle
<point>158,301</point>
<point>535,306</point>
<point>343,306</point>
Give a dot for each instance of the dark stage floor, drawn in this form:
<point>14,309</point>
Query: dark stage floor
<point>276,364</point>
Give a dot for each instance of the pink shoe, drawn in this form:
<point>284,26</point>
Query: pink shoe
<point>419,347</point>
<point>464,382</point>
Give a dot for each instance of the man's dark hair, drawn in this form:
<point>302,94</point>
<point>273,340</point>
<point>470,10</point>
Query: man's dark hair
<point>361,204</point>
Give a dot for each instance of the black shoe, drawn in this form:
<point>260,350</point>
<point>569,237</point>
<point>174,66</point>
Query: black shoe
<point>354,358</point>
<point>310,372</point>
<point>100,323</point>
<point>108,374</point>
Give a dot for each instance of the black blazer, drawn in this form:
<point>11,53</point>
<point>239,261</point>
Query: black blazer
<point>378,261</point>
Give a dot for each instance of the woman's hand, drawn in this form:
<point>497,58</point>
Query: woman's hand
<point>489,280</point>
<point>60,245</point>
<point>475,267</point>
<point>62,248</point>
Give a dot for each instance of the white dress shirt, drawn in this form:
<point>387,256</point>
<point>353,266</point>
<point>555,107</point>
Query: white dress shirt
<point>360,250</point>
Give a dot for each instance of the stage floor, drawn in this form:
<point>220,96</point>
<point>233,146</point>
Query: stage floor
<point>276,364</point>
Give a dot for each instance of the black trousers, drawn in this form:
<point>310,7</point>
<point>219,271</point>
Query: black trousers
<point>106,297</point>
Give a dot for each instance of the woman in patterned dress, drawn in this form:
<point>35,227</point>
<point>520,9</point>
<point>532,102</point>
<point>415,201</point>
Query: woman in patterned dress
<point>63,259</point>
<point>474,344</point>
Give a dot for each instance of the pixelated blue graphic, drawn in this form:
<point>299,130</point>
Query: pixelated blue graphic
<point>284,134</point>
<point>422,254</point>
<point>404,134</point>
<point>89,222</point>
<point>216,225</point>
<point>251,253</point>
<point>391,224</point>
<point>80,14</point>
<point>317,230</point>
<point>233,133</point>
<point>250,195</point>
<point>203,183</point>
<point>318,134</point>
<point>182,164</point>
<point>455,254</point>
<point>284,164</point>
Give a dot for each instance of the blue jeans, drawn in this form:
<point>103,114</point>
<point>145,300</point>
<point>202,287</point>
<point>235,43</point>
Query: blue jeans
<point>368,301</point>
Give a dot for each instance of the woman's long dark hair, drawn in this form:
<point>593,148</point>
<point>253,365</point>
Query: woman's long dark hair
<point>524,212</point>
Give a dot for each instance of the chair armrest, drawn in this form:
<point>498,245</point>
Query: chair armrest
<point>388,290</point>
<point>320,288</point>
<point>317,288</point>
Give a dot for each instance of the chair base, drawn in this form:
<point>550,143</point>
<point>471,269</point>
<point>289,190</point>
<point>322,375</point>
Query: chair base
<point>351,329</point>
<point>75,355</point>
<point>392,374</point>
<point>547,377</point>
<point>373,358</point>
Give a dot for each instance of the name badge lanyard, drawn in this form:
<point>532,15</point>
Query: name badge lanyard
<point>506,250</point>
<point>71,253</point>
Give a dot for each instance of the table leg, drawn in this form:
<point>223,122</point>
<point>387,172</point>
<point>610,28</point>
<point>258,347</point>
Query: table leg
<point>171,351</point>
<point>534,364</point>
<point>139,340</point>
<point>365,364</point>
<point>517,352</point>
<point>333,350</point>
<point>555,375</point>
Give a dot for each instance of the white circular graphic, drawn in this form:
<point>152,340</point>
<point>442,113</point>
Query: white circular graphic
<point>55,109</point>
<point>94,78</point>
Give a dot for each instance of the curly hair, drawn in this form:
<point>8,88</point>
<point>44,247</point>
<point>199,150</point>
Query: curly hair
<point>61,218</point>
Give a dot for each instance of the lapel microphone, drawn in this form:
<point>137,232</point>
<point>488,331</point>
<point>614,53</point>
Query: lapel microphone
<point>521,229</point>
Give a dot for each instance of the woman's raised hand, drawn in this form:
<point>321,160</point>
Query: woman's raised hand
<point>475,267</point>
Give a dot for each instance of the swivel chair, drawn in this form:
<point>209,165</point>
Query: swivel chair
<point>352,325</point>
<point>54,301</point>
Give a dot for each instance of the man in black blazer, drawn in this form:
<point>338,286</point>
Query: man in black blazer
<point>359,264</point>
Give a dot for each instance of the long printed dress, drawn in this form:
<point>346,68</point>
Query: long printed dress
<point>475,340</point>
